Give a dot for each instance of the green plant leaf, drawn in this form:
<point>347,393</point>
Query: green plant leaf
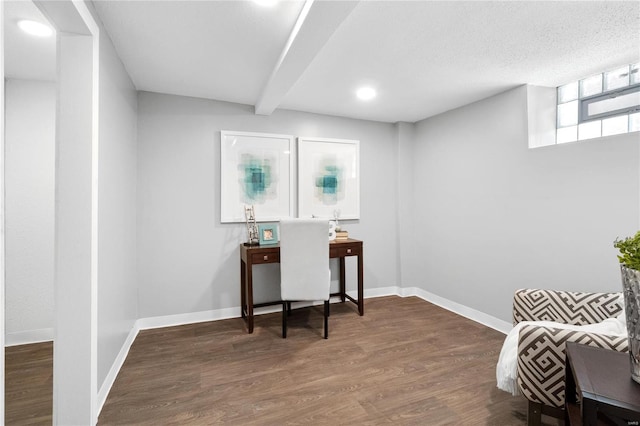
<point>629,251</point>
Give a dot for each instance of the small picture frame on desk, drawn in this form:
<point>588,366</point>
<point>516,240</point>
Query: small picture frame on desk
<point>268,233</point>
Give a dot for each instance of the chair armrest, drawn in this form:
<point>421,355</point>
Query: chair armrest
<point>565,306</point>
<point>541,359</point>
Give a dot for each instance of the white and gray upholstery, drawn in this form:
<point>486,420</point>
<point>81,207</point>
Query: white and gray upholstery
<point>566,307</point>
<point>541,350</point>
<point>304,265</point>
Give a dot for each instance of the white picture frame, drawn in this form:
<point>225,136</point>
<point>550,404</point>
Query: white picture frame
<point>328,178</point>
<point>256,169</point>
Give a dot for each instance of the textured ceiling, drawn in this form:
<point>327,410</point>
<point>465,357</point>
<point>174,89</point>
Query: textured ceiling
<point>424,57</point>
<point>429,57</point>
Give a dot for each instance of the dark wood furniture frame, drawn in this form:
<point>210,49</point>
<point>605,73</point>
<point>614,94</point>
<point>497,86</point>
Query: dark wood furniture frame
<point>602,380</point>
<point>257,255</point>
<point>535,411</point>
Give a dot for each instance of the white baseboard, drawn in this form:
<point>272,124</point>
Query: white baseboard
<point>46,334</point>
<point>465,311</point>
<point>43,335</point>
<point>214,315</point>
<point>379,292</point>
<point>115,367</point>
<point>189,318</point>
<point>28,337</point>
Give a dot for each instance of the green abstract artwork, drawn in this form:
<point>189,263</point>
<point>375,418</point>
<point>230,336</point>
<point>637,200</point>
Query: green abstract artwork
<point>257,179</point>
<point>328,178</point>
<point>329,181</point>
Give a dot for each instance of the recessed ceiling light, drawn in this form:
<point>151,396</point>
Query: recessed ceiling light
<point>266,3</point>
<point>35,28</point>
<point>366,93</point>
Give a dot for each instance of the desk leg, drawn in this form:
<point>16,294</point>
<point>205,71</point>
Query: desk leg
<point>343,286</point>
<point>248,290</point>
<point>360,285</point>
<point>243,289</point>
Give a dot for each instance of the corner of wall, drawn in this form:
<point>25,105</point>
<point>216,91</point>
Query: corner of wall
<point>2,213</point>
<point>541,116</point>
<point>405,139</point>
<point>110,379</point>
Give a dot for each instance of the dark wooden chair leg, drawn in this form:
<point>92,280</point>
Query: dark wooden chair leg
<point>326,319</point>
<point>284,320</point>
<point>534,415</point>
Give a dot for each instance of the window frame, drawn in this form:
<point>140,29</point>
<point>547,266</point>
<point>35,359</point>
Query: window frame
<point>583,104</point>
<point>573,122</point>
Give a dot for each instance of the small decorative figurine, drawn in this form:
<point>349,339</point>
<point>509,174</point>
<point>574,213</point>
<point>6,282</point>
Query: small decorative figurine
<point>252,228</point>
<point>336,216</point>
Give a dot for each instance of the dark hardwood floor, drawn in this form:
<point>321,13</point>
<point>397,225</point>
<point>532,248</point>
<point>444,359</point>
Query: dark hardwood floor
<point>405,362</point>
<point>28,384</point>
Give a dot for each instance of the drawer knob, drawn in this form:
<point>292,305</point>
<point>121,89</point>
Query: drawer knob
<point>265,257</point>
<point>348,250</point>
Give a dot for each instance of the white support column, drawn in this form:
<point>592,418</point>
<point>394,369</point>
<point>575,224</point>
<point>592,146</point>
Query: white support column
<point>76,222</point>
<point>74,381</point>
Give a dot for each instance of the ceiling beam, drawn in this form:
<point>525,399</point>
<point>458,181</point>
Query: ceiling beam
<point>316,23</point>
<point>63,15</point>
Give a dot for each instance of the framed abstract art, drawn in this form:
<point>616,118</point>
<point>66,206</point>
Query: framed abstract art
<point>328,178</point>
<point>255,169</point>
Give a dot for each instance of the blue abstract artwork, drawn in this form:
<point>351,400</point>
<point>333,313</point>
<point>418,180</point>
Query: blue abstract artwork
<point>328,178</point>
<point>329,182</point>
<point>257,179</point>
<point>255,170</point>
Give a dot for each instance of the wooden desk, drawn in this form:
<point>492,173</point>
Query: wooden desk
<point>602,379</point>
<point>257,255</point>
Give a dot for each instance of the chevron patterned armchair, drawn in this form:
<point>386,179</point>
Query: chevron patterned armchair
<point>541,350</point>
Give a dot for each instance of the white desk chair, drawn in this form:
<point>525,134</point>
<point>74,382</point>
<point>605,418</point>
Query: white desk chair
<point>304,265</point>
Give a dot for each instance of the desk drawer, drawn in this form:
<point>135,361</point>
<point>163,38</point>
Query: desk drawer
<point>338,251</point>
<point>270,257</point>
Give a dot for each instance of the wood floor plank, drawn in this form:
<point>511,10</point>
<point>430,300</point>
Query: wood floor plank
<point>29,384</point>
<point>405,362</point>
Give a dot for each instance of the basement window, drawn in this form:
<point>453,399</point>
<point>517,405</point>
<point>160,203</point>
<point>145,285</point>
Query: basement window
<point>601,105</point>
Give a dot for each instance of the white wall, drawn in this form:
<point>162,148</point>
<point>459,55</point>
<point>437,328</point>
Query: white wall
<point>497,216</point>
<point>187,260</point>
<point>117,275</point>
<point>29,198</point>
